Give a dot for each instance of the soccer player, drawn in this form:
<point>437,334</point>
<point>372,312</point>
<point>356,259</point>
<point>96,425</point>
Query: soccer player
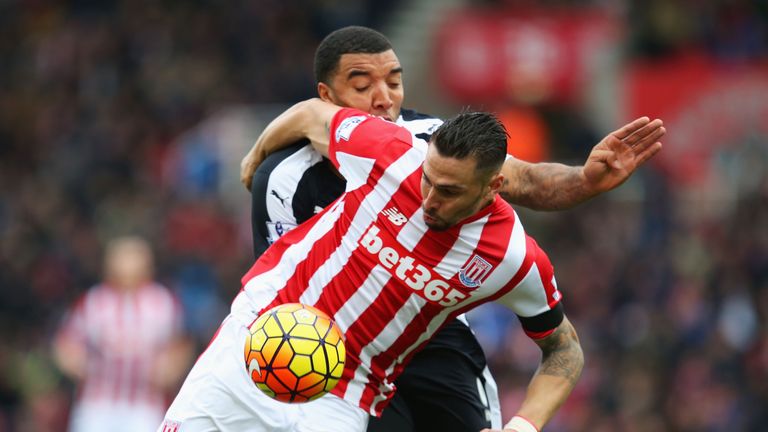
<point>123,344</point>
<point>419,236</point>
<point>447,384</point>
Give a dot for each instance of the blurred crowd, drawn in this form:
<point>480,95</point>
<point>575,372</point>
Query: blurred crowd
<point>670,298</point>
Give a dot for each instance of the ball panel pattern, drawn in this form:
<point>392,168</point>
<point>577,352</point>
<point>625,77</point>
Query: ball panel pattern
<point>295,353</point>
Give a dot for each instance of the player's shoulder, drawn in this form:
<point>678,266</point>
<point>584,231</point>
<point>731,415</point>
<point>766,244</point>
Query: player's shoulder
<point>409,116</point>
<point>421,125</point>
<point>295,157</point>
<point>412,115</point>
<point>276,158</point>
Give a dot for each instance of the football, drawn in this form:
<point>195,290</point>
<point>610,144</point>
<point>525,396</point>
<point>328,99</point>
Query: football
<point>294,353</point>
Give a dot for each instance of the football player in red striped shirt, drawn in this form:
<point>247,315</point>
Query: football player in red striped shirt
<point>123,344</point>
<point>419,236</point>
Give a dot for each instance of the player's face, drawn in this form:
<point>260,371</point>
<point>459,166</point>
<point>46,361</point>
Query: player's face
<point>369,82</point>
<point>451,190</point>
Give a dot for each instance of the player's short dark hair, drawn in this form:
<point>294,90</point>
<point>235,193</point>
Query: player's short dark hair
<point>477,134</point>
<point>346,40</point>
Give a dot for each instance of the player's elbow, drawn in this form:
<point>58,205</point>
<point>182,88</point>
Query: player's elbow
<point>562,354</point>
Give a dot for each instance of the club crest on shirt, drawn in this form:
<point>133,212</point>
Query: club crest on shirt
<point>347,126</point>
<point>475,272</point>
<point>170,426</point>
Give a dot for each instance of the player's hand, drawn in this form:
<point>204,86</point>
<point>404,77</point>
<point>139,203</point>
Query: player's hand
<point>617,156</point>
<point>247,167</point>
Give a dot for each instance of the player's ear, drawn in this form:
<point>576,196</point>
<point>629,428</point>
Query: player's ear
<point>325,92</point>
<point>497,181</point>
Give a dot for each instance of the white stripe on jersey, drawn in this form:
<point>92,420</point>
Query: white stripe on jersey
<point>410,235</point>
<point>354,168</point>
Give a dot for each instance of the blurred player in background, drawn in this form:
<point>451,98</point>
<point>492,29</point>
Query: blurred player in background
<point>447,386</point>
<point>123,344</point>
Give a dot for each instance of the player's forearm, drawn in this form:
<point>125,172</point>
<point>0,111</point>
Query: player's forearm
<point>545,186</point>
<point>71,358</point>
<point>297,122</point>
<point>556,377</point>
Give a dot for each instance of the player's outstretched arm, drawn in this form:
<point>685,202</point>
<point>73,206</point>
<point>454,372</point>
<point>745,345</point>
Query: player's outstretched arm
<point>553,186</point>
<point>560,368</point>
<point>309,119</point>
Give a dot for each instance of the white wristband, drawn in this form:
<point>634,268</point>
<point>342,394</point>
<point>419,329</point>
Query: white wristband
<point>520,424</point>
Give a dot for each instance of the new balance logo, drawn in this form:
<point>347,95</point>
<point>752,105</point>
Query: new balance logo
<point>395,216</point>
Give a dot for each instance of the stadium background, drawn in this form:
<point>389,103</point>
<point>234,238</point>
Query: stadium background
<point>131,117</point>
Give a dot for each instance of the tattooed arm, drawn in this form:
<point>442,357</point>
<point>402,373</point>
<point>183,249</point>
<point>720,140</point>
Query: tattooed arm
<point>560,368</point>
<point>554,186</point>
<point>309,119</point>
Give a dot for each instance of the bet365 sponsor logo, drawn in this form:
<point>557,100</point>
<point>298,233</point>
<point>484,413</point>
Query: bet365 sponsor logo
<point>404,267</point>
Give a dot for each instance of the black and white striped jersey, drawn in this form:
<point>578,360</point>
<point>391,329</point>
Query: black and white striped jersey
<point>295,183</point>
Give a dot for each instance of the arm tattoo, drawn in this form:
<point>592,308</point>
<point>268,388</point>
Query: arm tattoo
<point>545,186</point>
<point>562,355</point>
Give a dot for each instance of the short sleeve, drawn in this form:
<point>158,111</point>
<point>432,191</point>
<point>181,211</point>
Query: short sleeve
<point>362,134</point>
<point>536,298</point>
<point>359,140</point>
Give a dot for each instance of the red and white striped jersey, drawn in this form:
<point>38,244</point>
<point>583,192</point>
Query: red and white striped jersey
<point>390,282</point>
<point>123,333</point>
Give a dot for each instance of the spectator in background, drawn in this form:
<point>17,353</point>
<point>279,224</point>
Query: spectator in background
<point>122,343</point>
